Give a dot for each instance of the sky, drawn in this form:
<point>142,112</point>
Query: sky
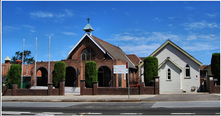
<point>136,27</point>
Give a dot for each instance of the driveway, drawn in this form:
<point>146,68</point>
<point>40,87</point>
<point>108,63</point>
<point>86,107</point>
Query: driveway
<point>184,97</point>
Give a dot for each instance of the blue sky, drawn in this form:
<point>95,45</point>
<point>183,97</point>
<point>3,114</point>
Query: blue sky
<point>137,27</point>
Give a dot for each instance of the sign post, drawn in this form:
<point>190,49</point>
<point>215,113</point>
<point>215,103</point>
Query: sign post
<point>123,69</point>
<point>127,66</point>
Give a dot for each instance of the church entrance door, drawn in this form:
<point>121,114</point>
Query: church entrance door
<point>70,79</point>
<point>104,76</point>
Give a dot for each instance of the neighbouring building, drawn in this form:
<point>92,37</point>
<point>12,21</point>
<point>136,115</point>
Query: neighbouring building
<point>178,70</point>
<point>26,71</point>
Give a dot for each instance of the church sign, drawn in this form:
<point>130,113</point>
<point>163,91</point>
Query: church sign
<point>120,69</point>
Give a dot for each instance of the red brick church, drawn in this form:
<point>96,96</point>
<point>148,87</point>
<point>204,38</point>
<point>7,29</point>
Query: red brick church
<point>91,48</point>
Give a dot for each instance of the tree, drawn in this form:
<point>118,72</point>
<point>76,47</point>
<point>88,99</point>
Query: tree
<point>90,73</point>
<point>14,75</point>
<point>27,57</point>
<point>215,65</point>
<point>59,72</point>
<point>150,69</point>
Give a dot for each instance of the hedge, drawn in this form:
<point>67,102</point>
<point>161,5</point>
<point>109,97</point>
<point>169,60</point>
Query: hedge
<point>90,73</point>
<point>59,73</point>
<point>215,65</point>
<point>14,75</point>
<point>150,69</point>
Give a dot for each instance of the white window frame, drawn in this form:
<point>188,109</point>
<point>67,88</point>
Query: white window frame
<point>168,71</point>
<point>187,67</point>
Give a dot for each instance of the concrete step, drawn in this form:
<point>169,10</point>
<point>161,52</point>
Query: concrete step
<point>72,89</point>
<point>40,87</point>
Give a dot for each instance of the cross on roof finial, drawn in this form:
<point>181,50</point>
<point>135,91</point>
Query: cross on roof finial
<point>88,19</point>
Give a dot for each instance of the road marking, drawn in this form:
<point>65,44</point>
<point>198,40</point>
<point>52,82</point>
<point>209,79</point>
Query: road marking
<point>8,112</point>
<point>182,113</point>
<point>217,113</point>
<point>89,113</point>
<point>131,113</point>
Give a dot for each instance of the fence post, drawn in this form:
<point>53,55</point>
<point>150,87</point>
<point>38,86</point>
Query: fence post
<point>141,88</point>
<point>50,88</point>
<point>211,83</point>
<point>61,87</point>
<point>95,87</point>
<point>14,89</point>
<point>82,86</point>
<point>156,85</point>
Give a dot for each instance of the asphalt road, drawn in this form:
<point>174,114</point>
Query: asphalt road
<point>117,108</point>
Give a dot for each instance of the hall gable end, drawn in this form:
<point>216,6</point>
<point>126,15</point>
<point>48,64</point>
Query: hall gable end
<point>87,42</point>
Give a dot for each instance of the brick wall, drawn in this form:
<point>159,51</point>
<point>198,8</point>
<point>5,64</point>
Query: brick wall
<point>118,90</point>
<point>213,88</point>
<point>24,92</point>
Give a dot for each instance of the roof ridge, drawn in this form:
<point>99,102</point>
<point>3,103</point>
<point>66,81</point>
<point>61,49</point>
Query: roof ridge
<point>105,41</point>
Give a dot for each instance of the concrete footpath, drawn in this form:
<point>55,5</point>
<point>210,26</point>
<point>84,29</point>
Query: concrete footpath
<point>75,97</point>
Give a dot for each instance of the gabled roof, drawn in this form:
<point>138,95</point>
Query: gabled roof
<point>178,48</point>
<point>86,34</point>
<point>114,51</point>
<point>107,48</point>
<point>203,67</point>
<point>136,61</point>
<point>169,59</point>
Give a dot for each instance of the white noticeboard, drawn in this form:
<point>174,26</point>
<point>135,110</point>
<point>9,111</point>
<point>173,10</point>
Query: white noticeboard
<point>120,69</point>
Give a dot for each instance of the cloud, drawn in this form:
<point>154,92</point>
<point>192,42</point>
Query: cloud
<point>113,9</point>
<point>201,46</point>
<point>157,19</point>
<point>140,50</point>
<point>209,37</point>
<point>69,12</point>
<point>69,33</point>
<point>171,17</point>
<point>127,13</point>
<point>211,15</point>
<point>199,25</point>
<point>170,25</point>
<point>30,27</point>
<point>156,36</point>
<point>189,8</point>
<point>10,28</point>
<point>41,14</point>
<point>212,25</point>
<point>191,37</point>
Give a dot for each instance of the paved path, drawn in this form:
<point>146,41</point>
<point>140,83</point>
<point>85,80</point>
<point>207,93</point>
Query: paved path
<point>75,97</point>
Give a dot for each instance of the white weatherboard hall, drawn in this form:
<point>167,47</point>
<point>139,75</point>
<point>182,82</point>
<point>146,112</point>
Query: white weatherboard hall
<point>178,70</point>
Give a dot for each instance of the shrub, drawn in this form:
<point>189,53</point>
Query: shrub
<point>215,65</point>
<point>90,73</point>
<point>150,69</point>
<point>59,73</point>
<point>14,75</point>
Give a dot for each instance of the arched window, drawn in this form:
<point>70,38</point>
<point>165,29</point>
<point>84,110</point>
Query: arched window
<point>87,54</point>
<point>187,70</point>
<point>168,74</point>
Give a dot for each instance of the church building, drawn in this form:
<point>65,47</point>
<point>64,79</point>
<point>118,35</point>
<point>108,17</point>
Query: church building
<point>91,48</point>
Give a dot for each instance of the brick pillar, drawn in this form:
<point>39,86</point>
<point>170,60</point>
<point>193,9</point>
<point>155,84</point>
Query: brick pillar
<point>141,88</point>
<point>82,86</point>
<point>61,87</point>
<point>14,89</point>
<point>156,85</point>
<point>211,83</point>
<point>94,89</point>
<point>4,89</point>
<point>50,88</point>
